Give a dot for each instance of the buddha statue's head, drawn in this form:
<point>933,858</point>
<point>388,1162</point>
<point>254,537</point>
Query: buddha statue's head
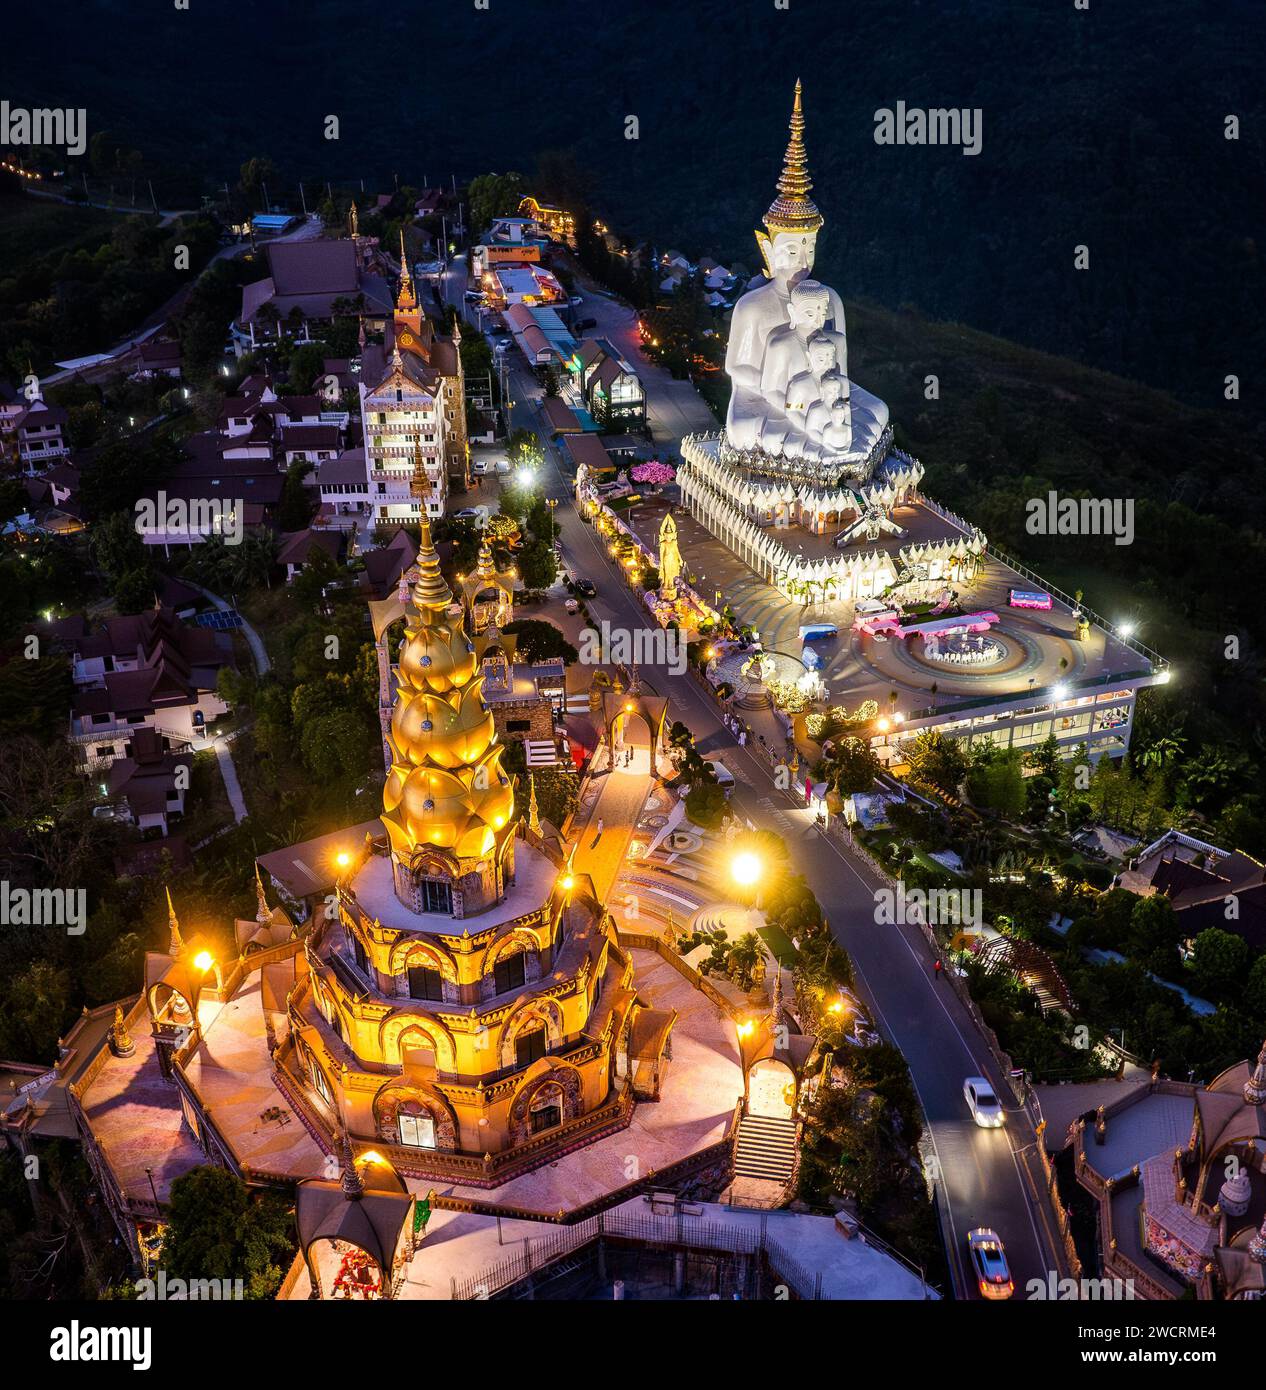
<point>793,221</point>
<point>788,256</point>
<point>808,307</point>
<point>822,355</point>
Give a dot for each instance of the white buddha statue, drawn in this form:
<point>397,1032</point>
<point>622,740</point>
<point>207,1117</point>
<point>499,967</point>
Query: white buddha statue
<point>787,358</point>
<point>792,222</point>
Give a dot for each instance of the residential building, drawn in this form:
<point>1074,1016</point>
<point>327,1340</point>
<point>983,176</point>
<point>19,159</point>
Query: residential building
<point>146,671</point>
<point>148,785</point>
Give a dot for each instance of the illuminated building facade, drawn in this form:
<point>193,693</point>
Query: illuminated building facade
<point>467,1007</point>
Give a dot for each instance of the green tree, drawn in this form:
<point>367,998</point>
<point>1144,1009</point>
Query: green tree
<point>218,1229</point>
<point>493,195</point>
<point>1220,962</point>
<point>539,640</point>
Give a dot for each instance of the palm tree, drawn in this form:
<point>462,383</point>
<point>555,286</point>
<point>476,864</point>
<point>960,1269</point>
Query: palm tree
<point>743,959</point>
<point>254,560</point>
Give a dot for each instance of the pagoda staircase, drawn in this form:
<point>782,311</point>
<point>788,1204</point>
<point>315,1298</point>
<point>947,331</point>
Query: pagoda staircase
<point>766,1148</point>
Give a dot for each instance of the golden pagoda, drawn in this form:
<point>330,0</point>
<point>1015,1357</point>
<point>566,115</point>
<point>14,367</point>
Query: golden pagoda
<point>466,1006</point>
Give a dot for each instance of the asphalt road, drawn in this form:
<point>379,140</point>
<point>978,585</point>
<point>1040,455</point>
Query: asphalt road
<point>981,1181</point>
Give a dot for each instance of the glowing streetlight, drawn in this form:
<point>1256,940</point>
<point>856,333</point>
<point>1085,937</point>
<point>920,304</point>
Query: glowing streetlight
<point>204,961</point>
<point>884,726</point>
<point>342,859</point>
<point>1127,629</point>
<point>567,883</point>
<point>746,1029</point>
<point>1060,692</point>
<point>745,869</point>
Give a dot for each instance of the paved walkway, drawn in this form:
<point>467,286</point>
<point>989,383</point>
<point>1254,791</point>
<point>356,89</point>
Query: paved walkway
<point>231,785</point>
<point>601,854</point>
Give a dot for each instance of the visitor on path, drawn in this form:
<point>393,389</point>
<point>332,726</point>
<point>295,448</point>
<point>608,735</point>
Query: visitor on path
<point>937,968</point>
<point>600,825</point>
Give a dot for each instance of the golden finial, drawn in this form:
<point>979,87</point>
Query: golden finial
<point>262,914</point>
<point>793,210</point>
<point>121,1043</point>
<point>406,298</point>
<point>534,816</point>
<point>419,483</point>
<point>429,589</point>
<point>177,947</point>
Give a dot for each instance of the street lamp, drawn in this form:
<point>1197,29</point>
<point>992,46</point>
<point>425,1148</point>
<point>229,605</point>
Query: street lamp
<point>745,869</point>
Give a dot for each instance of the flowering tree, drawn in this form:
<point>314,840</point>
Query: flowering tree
<point>653,472</point>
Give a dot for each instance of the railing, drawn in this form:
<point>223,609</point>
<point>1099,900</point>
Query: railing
<point>1157,661</point>
<point>669,1232</point>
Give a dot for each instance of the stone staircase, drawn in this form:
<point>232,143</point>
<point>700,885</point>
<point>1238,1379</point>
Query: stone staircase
<point>766,1148</point>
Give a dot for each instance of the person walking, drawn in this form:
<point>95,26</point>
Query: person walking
<point>937,968</point>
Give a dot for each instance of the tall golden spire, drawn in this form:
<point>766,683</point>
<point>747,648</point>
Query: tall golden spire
<point>177,947</point>
<point>406,299</point>
<point>419,483</point>
<point>429,590</point>
<point>793,210</point>
<point>262,914</point>
<point>534,815</point>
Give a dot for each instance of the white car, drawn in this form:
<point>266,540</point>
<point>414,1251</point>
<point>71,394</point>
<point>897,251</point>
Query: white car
<point>985,1107</point>
<point>989,1263</point>
<point>479,467</point>
<point>577,299</point>
<point>502,465</point>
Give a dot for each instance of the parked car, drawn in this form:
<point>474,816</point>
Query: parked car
<point>586,587</point>
<point>577,299</point>
<point>466,514</point>
<point>989,1263</point>
<point>586,323</point>
<point>479,467</point>
<point>502,466</point>
<point>571,606</point>
<point>985,1107</point>
<point>473,295</point>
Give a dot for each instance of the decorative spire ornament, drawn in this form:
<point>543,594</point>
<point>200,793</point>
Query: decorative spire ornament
<point>121,1043</point>
<point>793,210</point>
<point>534,818</point>
<point>406,299</point>
<point>176,947</point>
<point>1255,1086</point>
<point>262,914</point>
<point>1257,1246</point>
<point>351,1183</point>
